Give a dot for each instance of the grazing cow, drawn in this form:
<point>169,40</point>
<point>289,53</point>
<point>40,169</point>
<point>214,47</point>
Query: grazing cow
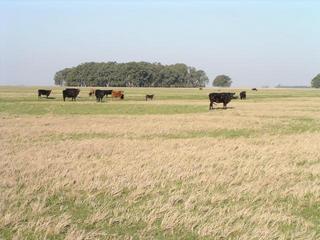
<point>149,97</point>
<point>117,94</point>
<point>44,92</point>
<point>70,93</point>
<point>92,92</point>
<point>108,92</point>
<point>101,93</point>
<point>200,88</point>
<point>224,98</point>
<point>243,95</point>
<point>254,89</point>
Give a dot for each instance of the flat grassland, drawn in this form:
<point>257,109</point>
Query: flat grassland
<point>162,169</point>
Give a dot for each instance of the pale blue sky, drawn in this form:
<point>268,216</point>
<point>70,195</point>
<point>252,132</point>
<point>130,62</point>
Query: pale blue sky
<point>255,42</point>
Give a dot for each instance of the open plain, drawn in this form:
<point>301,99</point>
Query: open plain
<point>162,169</point>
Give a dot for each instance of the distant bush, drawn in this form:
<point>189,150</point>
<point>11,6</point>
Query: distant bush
<point>315,82</point>
<point>222,81</point>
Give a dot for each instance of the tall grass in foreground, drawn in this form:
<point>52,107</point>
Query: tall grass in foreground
<point>78,171</point>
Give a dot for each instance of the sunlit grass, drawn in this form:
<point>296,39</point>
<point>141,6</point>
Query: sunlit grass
<point>163,169</point>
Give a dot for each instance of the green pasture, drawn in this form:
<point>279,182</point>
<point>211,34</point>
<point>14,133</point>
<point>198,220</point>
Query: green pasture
<point>24,100</point>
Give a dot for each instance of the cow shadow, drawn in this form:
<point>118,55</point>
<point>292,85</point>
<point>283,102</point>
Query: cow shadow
<point>221,108</point>
<point>47,98</point>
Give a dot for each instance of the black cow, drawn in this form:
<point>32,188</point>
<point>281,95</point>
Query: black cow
<point>44,92</point>
<point>108,92</point>
<point>149,97</point>
<point>70,93</point>
<point>224,98</point>
<point>243,95</point>
<point>101,93</point>
<point>254,89</point>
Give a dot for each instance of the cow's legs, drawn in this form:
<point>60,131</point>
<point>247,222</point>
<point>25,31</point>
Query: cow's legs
<point>210,105</point>
<point>224,105</point>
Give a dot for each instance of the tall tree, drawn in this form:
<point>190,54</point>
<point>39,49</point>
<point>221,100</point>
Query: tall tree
<point>222,81</point>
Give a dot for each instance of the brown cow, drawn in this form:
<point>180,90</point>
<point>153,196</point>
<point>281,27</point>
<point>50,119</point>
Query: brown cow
<point>117,94</point>
<point>92,92</point>
<point>149,96</point>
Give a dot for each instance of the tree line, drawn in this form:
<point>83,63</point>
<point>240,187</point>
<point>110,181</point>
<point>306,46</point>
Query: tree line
<point>131,74</point>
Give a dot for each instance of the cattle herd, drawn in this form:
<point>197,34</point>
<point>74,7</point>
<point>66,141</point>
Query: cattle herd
<point>74,92</point>
<point>214,98</point>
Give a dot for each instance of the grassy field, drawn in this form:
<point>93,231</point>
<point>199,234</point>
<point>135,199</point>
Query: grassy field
<point>163,169</point>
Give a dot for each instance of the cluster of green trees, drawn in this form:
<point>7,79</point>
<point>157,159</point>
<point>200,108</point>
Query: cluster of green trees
<point>131,74</point>
<point>141,74</point>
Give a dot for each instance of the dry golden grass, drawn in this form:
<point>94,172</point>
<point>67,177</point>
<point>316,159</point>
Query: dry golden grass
<point>251,172</point>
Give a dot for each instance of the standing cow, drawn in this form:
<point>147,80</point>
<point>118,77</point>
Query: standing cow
<point>70,93</point>
<point>149,97</point>
<point>224,98</point>
<point>91,92</point>
<point>243,95</point>
<point>101,93</point>
<point>44,92</point>
<point>117,94</point>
